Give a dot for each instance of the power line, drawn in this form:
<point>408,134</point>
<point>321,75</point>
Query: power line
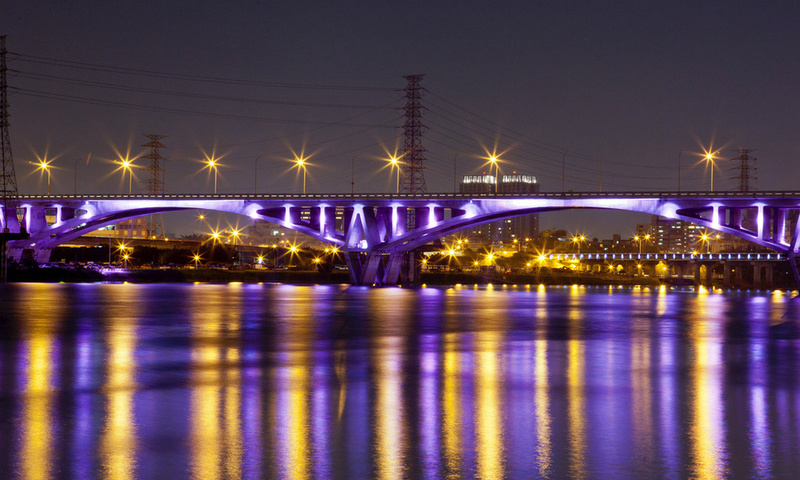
<point>127,88</point>
<point>194,78</point>
<point>112,103</point>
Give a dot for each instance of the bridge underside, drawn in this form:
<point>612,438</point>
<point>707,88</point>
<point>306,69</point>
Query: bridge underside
<point>380,234</point>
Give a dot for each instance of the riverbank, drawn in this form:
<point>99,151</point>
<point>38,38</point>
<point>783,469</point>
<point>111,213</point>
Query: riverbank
<point>56,275</point>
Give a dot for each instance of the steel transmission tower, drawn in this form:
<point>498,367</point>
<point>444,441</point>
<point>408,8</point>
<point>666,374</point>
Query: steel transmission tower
<point>9,185</point>
<point>155,184</point>
<point>12,229</point>
<point>745,171</point>
<point>412,170</point>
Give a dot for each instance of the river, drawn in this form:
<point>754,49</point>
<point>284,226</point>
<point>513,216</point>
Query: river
<point>213,381</point>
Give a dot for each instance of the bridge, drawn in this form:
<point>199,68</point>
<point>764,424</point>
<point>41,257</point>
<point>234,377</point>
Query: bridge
<point>381,231</point>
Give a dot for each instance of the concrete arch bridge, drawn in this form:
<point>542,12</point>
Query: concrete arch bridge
<point>379,233</point>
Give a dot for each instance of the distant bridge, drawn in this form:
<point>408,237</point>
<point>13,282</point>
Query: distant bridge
<point>381,231</point>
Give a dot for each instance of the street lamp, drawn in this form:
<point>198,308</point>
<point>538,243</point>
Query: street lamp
<point>493,162</point>
<point>234,235</point>
<point>127,165</point>
<point>710,159</point>
<point>706,238</point>
<point>394,162</point>
<point>44,165</point>
<point>196,260</point>
<point>578,239</point>
<point>709,156</point>
<point>640,239</point>
<point>213,164</point>
<point>301,164</point>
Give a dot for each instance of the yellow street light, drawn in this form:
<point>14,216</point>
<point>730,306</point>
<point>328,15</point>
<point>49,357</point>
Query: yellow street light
<point>705,238</point>
<point>641,239</point>
<point>395,162</point>
<point>493,162</point>
<point>216,236</point>
<point>302,165</point>
<point>234,235</point>
<point>709,156</point>
<point>213,164</point>
<point>127,165</point>
<point>44,166</point>
<point>196,260</point>
<point>578,239</point>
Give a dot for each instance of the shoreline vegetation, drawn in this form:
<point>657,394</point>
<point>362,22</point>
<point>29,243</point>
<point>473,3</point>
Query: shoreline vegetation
<point>211,275</point>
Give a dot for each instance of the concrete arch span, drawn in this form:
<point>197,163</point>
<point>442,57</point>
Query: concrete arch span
<point>378,231</point>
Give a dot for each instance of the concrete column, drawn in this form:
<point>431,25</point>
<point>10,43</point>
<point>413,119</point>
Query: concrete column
<point>726,274</point>
<point>739,275</point>
<point>697,273</point>
<point>770,269</point>
<point>42,255</point>
<point>756,276</point>
<point>709,280</point>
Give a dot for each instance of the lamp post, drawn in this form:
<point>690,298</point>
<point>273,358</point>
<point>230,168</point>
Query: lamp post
<point>493,161</point>
<point>706,238</point>
<point>679,170</point>
<point>395,163</point>
<point>563,170</point>
<point>352,176</point>
<point>75,171</point>
<point>455,158</point>
<point>127,166</point>
<point>44,166</point>
<point>213,164</point>
<point>578,239</point>
<point>641,239</point>
<point>709,158</point>
<point>301,164</point>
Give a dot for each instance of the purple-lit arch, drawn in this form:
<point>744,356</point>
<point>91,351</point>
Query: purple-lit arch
<point>375,234</point>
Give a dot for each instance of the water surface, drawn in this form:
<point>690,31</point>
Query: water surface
<point>278,381</point>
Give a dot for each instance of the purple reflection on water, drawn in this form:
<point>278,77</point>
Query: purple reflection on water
<point>336,382</point>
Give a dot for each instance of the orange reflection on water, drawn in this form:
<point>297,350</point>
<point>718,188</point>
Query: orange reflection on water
<point>490,450</point>
<point>296,312</point>
<point>488,406</point>
<point>576,387</point>
<point>641,387</point>
<point>216,383</point>
<point>544,453</point>
<point>118,443</point>
<point>451,405</point>
<point>42,313</point>
<point>706,433</point>
<point>544,449</point>
<point>390,443</point>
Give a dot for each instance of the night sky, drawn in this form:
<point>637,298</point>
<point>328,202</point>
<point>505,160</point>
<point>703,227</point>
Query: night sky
<point>629,83</point>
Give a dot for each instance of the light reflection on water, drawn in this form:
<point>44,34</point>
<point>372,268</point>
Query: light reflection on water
<point>299,382</point>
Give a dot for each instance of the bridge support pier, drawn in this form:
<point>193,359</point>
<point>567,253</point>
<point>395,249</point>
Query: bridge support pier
<point>381,269</point>
<point>726,274</point>
<point>767,270</point>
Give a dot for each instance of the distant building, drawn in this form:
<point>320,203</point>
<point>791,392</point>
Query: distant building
<point>676,236</point>
<point>509,229</point>
<point>133,228</point>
